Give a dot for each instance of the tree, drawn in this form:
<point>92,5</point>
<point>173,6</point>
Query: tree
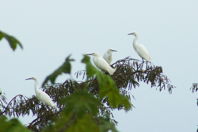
<point>194,89</point>
<point>86,105</point>
<point>12,125</point>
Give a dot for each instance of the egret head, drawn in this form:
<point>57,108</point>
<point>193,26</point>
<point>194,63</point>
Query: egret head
<point>134,33</point>
<point>31,78</point>
<point>111,50</point>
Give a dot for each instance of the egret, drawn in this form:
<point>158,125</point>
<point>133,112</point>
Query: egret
<point>42,96</point>
<point>100,62</point>
<point>140,49</point>
<point>108,55</point>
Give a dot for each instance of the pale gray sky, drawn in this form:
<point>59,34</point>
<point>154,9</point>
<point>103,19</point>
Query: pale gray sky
<point>50,30</point>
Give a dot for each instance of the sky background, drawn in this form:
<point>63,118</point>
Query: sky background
<point>51,30</point>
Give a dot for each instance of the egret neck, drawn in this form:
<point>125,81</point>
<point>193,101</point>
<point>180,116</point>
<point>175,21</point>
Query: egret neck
<point>35,85</point>
<point>135,39</point>
<point>109,52</point>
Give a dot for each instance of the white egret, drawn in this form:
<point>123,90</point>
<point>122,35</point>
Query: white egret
<point>42,96</point>
<point>100,62</point>
<point>140,49</point>
<point>108,55</point>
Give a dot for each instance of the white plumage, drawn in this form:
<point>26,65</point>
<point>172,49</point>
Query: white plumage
<point>140,49</point>
<point>42,96</point>
<point>108,55</point>
<point>100,62</point>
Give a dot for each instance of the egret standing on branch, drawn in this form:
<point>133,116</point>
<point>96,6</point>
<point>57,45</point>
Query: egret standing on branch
<point>108,55</point>
<point>42,96</point>
<point>140,49</point>
<point>100,62</point>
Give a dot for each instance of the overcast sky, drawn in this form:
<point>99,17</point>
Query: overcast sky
<point>50,30</point>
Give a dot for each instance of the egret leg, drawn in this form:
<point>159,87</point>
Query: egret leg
<point>142,60</point>
<point>146,64</point>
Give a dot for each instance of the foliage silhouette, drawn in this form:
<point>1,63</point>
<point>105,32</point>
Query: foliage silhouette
<point>13,42</point>
<point>12,125</point>
<point>88,102</point>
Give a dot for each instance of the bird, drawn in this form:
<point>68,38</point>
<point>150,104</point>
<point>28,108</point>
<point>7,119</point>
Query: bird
<point>41,95</point>
<point>100,63</point>
<point>108,55</point>
<point>140,49</point>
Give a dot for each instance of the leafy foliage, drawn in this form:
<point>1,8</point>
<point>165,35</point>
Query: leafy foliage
<point>89,102</point>
<point>107,87</point>
<point>12,125</point>
<point>80,115</point>
<point>13,42</point>
<point>64,68</point>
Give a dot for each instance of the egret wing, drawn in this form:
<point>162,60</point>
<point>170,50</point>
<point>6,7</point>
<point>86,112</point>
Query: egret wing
<point>143,52</point>
<point>45,98</point>
<point>103,65</point>
<point>107,57</point>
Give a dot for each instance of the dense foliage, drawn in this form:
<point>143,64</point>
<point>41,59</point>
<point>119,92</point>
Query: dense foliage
<point>87,104</point>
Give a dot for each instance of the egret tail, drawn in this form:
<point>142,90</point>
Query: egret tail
<point>111,71</point>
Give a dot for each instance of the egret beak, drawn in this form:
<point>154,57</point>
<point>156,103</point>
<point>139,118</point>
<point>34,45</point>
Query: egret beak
<point>29,78</point>
<point>114,50</point>
<point>131,33</point>
<point>89,54</point>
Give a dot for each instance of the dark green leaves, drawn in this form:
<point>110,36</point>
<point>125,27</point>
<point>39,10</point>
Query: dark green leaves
<point>13,42</point>
<point>12,125</point>
<point>106,125</point>
<point>107,87</point>
<point>90,69</point>
<point>81,108</point>
<point>81,102</point>
<point>84,124</point>
<point>64,68</point>
<point>70,123</point>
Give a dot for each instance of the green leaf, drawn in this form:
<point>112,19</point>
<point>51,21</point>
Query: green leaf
<point>90,69</point>
<point>84,124</point>
<point>13,42</point>
<point>80,103</point>
<point>1,35</point>
<point>109,90</point>
<point>80,109</point>
<point>64,68</point>
<point>12,125</point>
<point>106,125</point>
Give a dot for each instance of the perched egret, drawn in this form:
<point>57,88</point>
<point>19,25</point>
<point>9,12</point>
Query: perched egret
<point>42,96</point>
<point>100,62</point>
<point>140,49</point>
<point>108,55</point>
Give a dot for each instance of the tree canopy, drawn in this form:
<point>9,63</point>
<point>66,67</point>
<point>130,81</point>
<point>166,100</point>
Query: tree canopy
<point>84,105</point>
